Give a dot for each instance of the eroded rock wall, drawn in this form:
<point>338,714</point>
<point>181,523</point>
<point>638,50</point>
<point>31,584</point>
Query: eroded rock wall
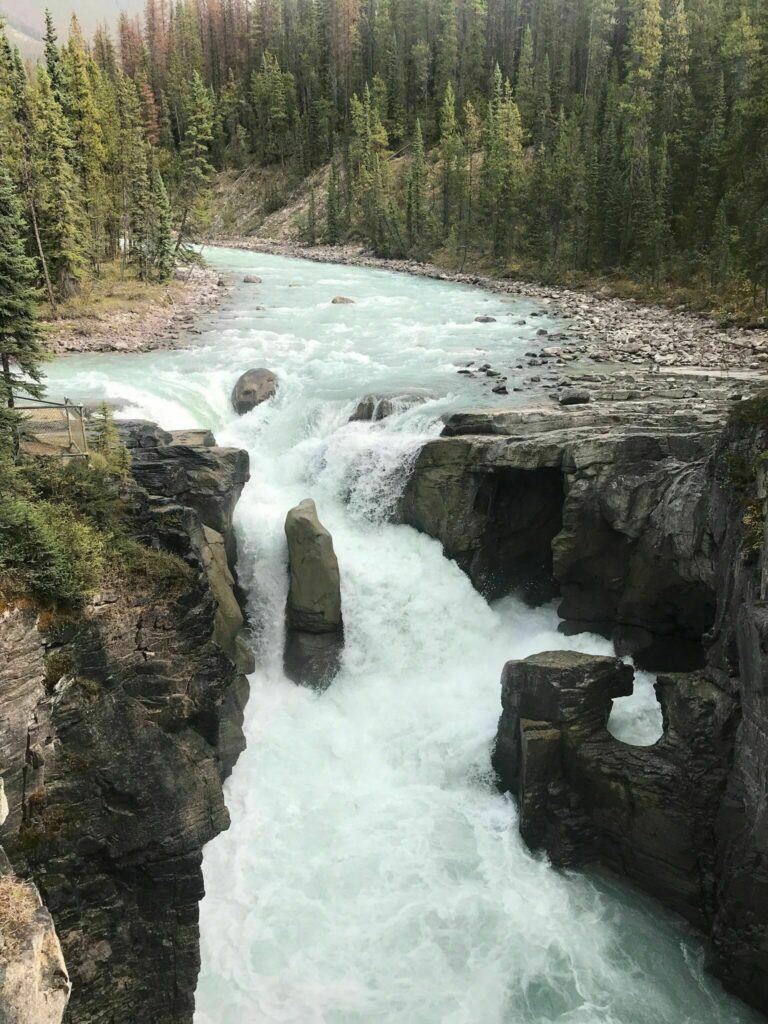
<point>119,725</point>
<point>664,547</point>
<point>605,505</point>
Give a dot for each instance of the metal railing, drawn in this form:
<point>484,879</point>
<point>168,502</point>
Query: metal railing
<point>54,429</point>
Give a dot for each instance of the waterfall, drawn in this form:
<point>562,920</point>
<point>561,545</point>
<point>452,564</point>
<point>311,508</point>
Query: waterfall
<point>372,873</point>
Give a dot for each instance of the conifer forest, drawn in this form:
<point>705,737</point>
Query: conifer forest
<point>556,138</point>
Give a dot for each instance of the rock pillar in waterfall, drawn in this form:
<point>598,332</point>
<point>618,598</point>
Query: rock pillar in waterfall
<point>314,635</point>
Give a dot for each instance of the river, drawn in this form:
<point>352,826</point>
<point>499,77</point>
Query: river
<point>372,873</point>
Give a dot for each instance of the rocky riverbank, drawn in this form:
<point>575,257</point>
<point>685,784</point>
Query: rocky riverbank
<point>644,509</point>
<point>597,328</point>
<point>161,319</point>
<point>118,725</point>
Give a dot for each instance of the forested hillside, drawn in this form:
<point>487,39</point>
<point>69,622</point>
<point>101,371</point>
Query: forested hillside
<point>557,137</point>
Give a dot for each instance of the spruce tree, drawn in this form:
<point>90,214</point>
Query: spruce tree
<point>21,348</point>
<point>57,194</point>
<point>195,168</point>
<point>332,207</point>
<point>163,254</point>
<point>416,210</point>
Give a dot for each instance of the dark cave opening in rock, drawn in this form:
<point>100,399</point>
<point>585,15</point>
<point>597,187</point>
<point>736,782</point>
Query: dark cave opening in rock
<point>521,512</point>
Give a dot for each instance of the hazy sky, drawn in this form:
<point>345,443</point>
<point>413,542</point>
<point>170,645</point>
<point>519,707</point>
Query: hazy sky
<point>29,13</point>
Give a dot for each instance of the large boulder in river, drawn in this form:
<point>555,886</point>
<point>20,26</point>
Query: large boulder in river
<point>648,813</point>
<point>253,388</point>
<point>314,628</point>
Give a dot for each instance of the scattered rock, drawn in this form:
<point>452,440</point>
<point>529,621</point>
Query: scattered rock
<point>573,396</point>
<point>314,627</point>
<point>251,279</point>
<point>253,388</point>
<point>485,319</point>
<point>342,300</point>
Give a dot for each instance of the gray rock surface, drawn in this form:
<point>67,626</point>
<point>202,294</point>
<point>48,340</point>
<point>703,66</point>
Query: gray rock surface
<point>342,300</point>
<point>252,388</point>
<point>117,729</point>
<point>604,504</point>
<point>648,813</point>
<point>34,984</point>
<point>314,627</point>
<point>373,408</point>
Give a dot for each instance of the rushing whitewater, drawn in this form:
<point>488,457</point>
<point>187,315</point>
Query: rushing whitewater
<point>372,873</point>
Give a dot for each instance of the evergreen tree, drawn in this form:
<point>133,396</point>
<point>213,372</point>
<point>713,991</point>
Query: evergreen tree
<point>57,194</point>
<point>416,209</point>
<point>21,349</point>
<point>195,168</point>
<point>332,207</point>
<point>163,251</point>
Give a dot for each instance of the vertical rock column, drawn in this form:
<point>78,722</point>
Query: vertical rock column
<point>314,636</point>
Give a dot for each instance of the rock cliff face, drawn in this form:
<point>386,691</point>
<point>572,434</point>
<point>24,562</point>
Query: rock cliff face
<point>34,984</point>
<point>119,725</point>
<point>648,516</point>
<point>605,505</point>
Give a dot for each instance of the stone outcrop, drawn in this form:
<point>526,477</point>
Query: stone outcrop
<point>604,504</point>
<point>252,388</point>
<point>685,818</point>
<point>120,724</point>
<point>205,478</point>
<point>373,408</point>
<point>314,627</point>
<point>34,984</point>
<point>648,813</point>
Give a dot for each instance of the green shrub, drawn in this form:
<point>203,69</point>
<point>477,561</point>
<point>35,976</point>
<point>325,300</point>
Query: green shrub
<point>49,552</point>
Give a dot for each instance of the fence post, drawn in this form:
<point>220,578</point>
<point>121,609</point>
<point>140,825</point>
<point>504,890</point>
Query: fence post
<point>69,425</point>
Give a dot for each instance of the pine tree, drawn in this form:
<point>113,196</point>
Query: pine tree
<point>452,161</point>
<point>332,207</point>
<point>525,91</point>
<point>720,251</point>
<point>21,348</point>
<point>194,167</point>
<point>57,195</point>
<point>163,254</point>
<point>88,152</point>
<point>502,164</point>
<point>53,62</point>
<point>416,209</point>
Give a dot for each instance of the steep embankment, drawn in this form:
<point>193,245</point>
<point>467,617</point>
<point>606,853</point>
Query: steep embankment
<point>647,516</point>
<point>119,725</point>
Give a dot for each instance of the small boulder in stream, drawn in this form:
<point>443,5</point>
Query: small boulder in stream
<point>373,408</point>
<point>314,636</point>
<point>342,300</point>
<point>251,279</point>
<point>253,388</point>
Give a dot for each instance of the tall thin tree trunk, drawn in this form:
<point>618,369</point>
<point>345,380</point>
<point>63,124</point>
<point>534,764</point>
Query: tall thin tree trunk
<point>6,362</point>
<point>38,240</point>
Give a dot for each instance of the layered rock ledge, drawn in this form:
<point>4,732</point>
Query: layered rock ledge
<point>119,725</point>
<point>646,513</point>
<point>602,504</point>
